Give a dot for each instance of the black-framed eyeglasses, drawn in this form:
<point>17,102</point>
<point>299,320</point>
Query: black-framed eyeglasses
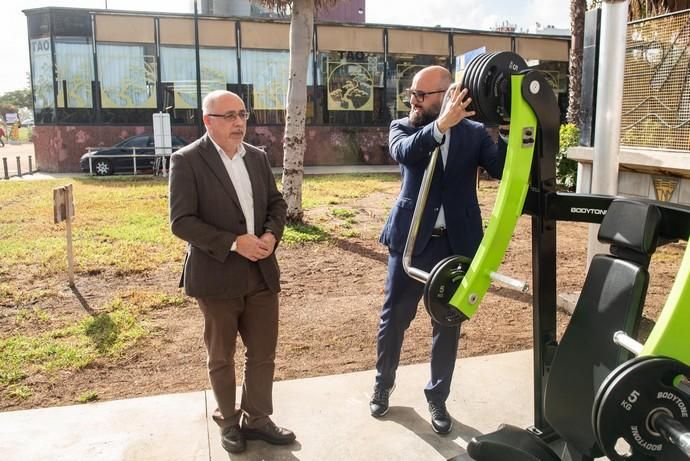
<point>232,115</point>
<point>420,95</point>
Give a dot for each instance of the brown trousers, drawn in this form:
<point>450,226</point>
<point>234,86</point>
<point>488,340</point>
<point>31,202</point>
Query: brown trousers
<point>255,317</point>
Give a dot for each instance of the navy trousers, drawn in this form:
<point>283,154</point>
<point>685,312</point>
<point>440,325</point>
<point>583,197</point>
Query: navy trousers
<point>402,296</point>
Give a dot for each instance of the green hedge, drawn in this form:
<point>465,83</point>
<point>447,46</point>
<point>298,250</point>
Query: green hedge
<point>566,169</point>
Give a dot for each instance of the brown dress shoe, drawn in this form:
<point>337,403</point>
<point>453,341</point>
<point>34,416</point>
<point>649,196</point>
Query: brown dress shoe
<point>232,439</point>
<point>269,432</point>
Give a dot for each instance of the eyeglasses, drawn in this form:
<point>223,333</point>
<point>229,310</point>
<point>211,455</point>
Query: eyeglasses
<point>232,115</point>
<point>420,95</point>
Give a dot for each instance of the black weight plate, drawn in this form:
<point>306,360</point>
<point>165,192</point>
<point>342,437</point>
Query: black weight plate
<point>477,85</point>
<point>464,83</point>
<point>468,76</point>
<point>488,104</point>
<point>634,391</point>
<point>494,86</point>
<point>477,82</point>
<point>444,279</point>
<point>475,88</point>
<point>605,384</point>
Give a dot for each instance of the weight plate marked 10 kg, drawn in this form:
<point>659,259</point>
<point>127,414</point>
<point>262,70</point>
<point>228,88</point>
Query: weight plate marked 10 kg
<point>488,81</point>
<point>444,280</point>
<point>627,399</point>
<point>495,82</point>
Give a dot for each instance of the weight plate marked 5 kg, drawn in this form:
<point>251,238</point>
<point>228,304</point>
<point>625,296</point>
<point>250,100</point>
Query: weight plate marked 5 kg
<point>627,398</point>
<point>444,280</point>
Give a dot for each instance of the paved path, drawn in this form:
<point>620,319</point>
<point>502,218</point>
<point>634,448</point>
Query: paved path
<point>329,415</point>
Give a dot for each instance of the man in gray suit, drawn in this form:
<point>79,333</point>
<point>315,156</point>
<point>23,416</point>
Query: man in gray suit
<point>225,204</point>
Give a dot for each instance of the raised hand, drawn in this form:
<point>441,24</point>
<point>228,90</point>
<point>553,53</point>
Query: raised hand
<point>455,109</point>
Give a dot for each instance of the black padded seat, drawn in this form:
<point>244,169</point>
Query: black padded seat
<point>510,443</point>
<point>612,299</point>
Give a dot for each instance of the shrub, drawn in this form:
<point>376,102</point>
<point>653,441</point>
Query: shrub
<point>566,169</point>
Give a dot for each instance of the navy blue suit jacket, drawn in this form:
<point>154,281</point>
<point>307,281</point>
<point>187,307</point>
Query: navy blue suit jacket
<point>453,185</point>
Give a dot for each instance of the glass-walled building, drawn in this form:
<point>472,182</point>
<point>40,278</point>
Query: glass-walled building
<point>98,76</point>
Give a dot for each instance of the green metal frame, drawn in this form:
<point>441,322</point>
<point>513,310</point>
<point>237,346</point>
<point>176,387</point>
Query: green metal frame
<point>508,206</point>
<point>670,337</point>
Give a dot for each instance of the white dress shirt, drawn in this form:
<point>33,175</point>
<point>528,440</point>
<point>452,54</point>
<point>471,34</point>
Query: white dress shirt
<point>239,176</point>
<point>441,218</point>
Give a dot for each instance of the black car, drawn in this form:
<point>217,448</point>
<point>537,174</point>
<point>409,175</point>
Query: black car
<point>119,158</point>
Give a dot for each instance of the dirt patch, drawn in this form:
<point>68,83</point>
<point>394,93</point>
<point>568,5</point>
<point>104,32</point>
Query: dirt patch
<point>332,294</point>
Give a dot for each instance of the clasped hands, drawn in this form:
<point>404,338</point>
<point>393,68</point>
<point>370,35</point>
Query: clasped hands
<point>255,248</point>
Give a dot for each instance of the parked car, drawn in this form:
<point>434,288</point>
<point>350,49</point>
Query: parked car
<point>118,159</point>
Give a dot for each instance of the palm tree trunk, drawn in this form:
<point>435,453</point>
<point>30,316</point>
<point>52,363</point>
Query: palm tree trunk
<point>301,27</point>
<point>577,27</point>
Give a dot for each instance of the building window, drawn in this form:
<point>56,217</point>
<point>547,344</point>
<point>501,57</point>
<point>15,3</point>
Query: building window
<point>264,77</point>
<point>128,76</point>
<point>178,74</point>
<point>218,69</point>
<point>351,86</point>
<point>74,62</point>
<point>42,79</point>
<point>401,71</point>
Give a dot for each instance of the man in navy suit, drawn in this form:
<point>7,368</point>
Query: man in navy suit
<point>451,225</point>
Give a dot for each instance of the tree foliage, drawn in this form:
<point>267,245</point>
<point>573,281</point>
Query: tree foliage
<point>566,169</point>
<point>12,101</point>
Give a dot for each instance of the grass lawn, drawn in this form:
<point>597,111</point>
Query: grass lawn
<point>120,230</point>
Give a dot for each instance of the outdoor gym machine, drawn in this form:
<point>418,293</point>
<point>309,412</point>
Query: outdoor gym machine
<point>644,402</point>
<point>503,91</point>
<point>456,285</point>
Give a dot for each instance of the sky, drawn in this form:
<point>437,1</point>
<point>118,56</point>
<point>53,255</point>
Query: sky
<point>467,14</point>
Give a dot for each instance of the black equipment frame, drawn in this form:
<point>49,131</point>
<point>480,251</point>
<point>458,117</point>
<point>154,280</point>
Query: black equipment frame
<point>546,206</point>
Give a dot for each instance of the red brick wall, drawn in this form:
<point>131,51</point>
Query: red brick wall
<point>58,148</point>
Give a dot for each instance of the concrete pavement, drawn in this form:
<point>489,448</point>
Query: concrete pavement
<point>329,415</point>
<point>8,159</point>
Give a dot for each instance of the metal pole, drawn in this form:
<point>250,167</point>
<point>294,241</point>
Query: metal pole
<point>614,17</point>
<point>31,167</point>
<point>197,112</point>
<point>4,166</point>
<point>19,167</point>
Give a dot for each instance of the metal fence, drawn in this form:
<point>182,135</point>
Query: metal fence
<point>656,92</point>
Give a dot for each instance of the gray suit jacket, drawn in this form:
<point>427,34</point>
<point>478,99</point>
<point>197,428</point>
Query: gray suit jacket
<point>205,212</point>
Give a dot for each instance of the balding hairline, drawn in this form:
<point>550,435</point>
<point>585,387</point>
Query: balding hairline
<point>212,97</point>
<point>439,72</point>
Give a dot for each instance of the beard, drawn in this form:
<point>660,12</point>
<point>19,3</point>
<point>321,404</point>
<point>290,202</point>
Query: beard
<point>424,117</point>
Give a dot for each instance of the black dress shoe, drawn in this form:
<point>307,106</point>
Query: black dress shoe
<point>378,405</point>
<point>232,439</point>
<point>269,432</point>
<point>440,419</point>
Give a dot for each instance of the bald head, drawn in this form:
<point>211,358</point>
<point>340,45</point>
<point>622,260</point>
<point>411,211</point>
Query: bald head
<point>435,76</point>
<point>211,99</point>
<point>428,87</point>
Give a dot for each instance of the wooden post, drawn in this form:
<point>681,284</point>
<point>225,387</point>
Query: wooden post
<point>63,210</point>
